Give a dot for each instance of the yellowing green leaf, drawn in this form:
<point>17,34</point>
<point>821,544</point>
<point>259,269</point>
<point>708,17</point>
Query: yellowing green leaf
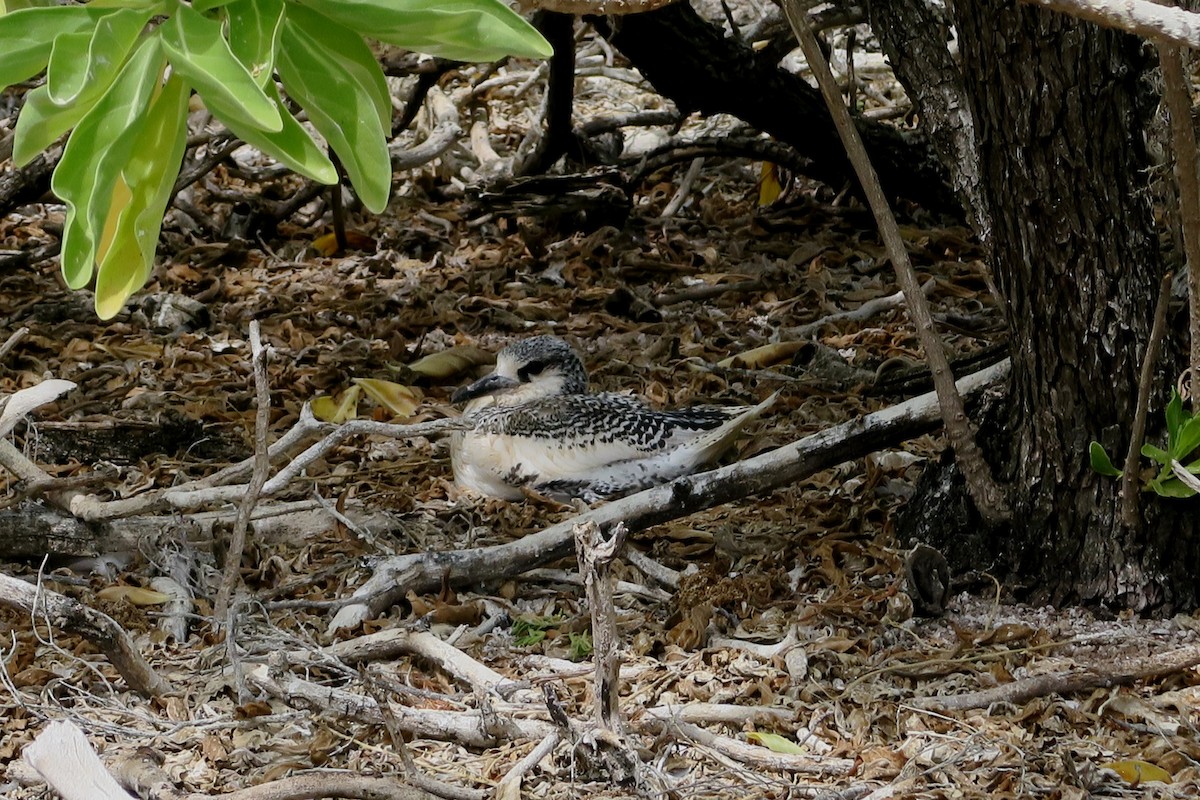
<point>126,256</point>
<point>1136,772</point>
<point>329,409</point>
<point>769,185</point>
<point>774,742</point>
<point>97,152</point>
<point>401,400</point>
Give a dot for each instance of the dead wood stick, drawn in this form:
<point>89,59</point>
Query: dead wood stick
<point>470,728</point>
<point>397,641</point>
<point>358,427</point>
<point>188,496</point>
<point>326,784</point>
<point>1178,94</point>
<point>1118,674</point>
<point>990,498</point>
<point>262,464</point>
<point>596,554</point>
<point>60,611</point>
<point>685,189</point>
<point>752,755</point>
<point>1129,475</point>
<point>412,772</point>
<point>865,311</point>
<point>424,572</point>
<point>140,771</point>
<point>447,130</point>
<point>509,787</point>
<point>12,341</point>
<point>65,759</point>
<point>707,291</point>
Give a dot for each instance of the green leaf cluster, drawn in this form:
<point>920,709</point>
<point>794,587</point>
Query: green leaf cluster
<point>1183,439</point>
<point>529,630</point>
<point>120,75</point>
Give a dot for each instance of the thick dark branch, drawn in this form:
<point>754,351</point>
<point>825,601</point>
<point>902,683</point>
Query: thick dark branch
<point>690,61</point>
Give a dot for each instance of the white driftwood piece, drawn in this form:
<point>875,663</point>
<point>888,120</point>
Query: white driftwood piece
<point>63,757</point>
<point>21,403</point>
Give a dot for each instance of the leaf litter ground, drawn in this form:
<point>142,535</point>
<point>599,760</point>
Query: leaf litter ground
<point>816,562</point>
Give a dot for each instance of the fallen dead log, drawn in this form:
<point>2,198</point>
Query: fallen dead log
<point>424,572</point>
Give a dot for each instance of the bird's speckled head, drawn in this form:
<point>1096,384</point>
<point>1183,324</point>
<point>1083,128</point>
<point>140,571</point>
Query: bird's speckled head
<point>541,366</point>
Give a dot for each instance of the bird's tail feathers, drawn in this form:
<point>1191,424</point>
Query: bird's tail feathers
<point>712,444</point>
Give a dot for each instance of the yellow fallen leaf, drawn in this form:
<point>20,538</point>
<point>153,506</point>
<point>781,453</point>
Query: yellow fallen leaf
<point>327,245</point>
<point>762,357</point>
<point>401,400</point>
<point>1136,772</point>
<point>774,742</point>
<point>339,409</point>
<point>452,362</point>
<point>133,594</point>
<point>769,185</point>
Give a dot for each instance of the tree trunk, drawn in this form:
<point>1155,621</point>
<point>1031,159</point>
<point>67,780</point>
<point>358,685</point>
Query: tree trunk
<point>1061,109</point>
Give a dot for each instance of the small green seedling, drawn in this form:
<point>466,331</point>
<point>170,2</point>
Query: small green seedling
<point>1183,437</point>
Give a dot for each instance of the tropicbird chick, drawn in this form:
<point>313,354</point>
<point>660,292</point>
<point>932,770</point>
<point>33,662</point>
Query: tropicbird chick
<point>537,425</point>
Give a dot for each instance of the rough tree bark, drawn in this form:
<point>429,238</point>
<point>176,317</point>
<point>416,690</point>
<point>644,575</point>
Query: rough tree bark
<point>1061,109</point>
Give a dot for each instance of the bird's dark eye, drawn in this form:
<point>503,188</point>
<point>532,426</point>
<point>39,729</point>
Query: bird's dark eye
<point>529,370</point>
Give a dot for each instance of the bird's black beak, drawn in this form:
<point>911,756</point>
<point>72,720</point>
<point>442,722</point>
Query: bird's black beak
<point>487,385</point>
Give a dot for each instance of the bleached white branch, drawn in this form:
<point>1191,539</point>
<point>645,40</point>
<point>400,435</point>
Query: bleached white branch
<point>64,758</point>
<point>1161,23</point>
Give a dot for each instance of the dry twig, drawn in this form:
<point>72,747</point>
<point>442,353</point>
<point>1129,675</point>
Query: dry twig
<point>988,495</point>
<point>1129,476</point>
<point>262,464</point>
<point>1021,691</point>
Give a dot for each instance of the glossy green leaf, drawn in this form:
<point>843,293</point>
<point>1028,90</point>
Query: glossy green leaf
<point>41,122</point>
<point>1171,487</point>
<point>85,63</point>
<point>1101,462</point>
<point>1175,419</point>
<point>254,27</point>
<point>126,255</point>
<point>28,36</point>
<point>292,145</point>
<point>97,152</point>
<point>464,30</point>
<point>157,7</point>
<point>208,5</point>
<point>331,73</point>
<point>1188,438</point>
<point>1156,454</point>
<point>199,52</point>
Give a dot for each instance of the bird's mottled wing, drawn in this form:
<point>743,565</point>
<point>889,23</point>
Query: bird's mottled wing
<point>571,437</point>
